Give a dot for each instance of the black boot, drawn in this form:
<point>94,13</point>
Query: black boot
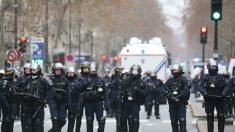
<point>210,122</point>
<point>71,122</point>
<point>61,123</point>
<point>101,123</point>
<point>174,125</point>
<point>182,125</point>
<point>55,125</point>
<point>221,122</point>
<point>89,123</point>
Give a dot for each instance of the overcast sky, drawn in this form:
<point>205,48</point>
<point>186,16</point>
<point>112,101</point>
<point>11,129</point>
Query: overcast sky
<point>174,10</point>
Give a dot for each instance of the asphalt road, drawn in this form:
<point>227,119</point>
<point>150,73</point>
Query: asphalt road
<point>151,125</point>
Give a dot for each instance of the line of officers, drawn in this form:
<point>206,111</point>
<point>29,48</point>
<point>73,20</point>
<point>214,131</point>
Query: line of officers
<point>67,94</point>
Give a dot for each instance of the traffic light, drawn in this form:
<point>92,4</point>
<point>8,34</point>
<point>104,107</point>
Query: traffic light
<point>104,58</point>
<point>115,60</point>
<point>216,10</point>
<point>203,35</point>
<point>23,44</point>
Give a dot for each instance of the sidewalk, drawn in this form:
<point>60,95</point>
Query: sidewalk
<point>199,113</point>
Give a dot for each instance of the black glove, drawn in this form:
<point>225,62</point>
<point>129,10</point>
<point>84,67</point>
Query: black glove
<point>204,94</point>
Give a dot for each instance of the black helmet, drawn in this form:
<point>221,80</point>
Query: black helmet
<point>135,71</point>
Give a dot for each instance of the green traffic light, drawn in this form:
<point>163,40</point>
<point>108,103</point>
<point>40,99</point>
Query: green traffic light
<point>216,15</point>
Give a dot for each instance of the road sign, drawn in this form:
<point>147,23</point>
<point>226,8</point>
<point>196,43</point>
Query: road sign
<point>12,55</point>
<point>38,48</point>
<point>69,57</point>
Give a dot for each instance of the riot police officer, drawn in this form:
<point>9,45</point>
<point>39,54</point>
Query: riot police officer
<point>116,94</point>
<point>133,97</point>
<point>177,91</point>
<point>85,74</point>
<point>108,80</point>
<point>74,84</point>
<point>95,93</point>
<point>37,91</point>
<point>214,88</point>
<point>21,84</point>
<point>62,97</point>
<point>154,94</point>
<point>8,101</point>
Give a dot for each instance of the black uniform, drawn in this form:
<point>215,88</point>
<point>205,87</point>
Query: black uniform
<point>75,85</point>
<point>62,101</point>
<point>21,85</point>
<point>8,103</point>
<point>37,92</point>
<point>95,99</point>
<point>116,100</point>
<point>154,94</point>
<point>177,91</point>
<point>214,88</point>
<point>134,93</point>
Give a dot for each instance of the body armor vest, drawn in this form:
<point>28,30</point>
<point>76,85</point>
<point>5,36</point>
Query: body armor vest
<point>95,89</point>
<point>35,87</point>
<point>154,86</point>
<point>61,88</point>
<point>214,85</point>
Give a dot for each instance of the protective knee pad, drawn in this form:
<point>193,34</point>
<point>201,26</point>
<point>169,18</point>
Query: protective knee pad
<point>136,125</point>
<point>71,121</point>
<point>101,123</point>
<point>123,125</point>
<point>174,125</point>
<point>130,123</point>
<point>221,121</point>
<point>210,122</point>
<point>90,124</point>
<point>182,125</point>
<point>55,124</point>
